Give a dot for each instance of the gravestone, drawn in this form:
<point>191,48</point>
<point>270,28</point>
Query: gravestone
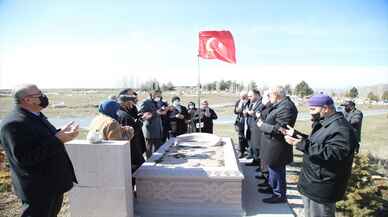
<point>193,175</point>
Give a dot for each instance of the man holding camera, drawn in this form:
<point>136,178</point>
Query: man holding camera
<point>328,157</point>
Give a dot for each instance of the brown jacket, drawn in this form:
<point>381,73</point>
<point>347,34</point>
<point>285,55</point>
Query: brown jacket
<point>109,128</point>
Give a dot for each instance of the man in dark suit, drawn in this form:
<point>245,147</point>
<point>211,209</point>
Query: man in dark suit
<point>241,104</point>
<point>254,133</point>
<point>41,169</point>
<point>178,117</point>
<point>276,152</point>
<point>207,115</point>
<point>152,122</point>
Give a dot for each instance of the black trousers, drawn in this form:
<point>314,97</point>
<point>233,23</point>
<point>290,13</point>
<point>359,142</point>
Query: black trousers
<point>152,145</point>
<point>243,143</point>
<point>42,206</point>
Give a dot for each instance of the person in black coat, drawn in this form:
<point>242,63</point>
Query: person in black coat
<point>276,152</point>
<point>264,142</point>
<point>207,115</point>
<point>193,115</point>
<point>328,157</point>
<point>125,118</point>
<point>178,116</point>
<point>239,124</point>
<point>133,111</point>
<point>162,107</point>
<point>41,169</point>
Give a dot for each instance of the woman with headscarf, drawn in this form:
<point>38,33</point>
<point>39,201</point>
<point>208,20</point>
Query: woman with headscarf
<point>107,125</point>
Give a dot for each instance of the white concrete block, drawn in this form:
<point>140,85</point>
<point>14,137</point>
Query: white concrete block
<point>100,202</point>
<point>104,175</point>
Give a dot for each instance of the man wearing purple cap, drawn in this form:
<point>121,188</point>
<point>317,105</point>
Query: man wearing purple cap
<point>328,157</point>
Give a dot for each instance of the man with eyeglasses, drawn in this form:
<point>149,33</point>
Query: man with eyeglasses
<point>41,169</point>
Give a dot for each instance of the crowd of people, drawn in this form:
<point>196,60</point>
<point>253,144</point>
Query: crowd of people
<point>152,123</point>
<point>42,171</point>
<point>265,126</point>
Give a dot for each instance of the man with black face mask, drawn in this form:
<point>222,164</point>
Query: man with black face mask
<point>152,122</point>
<point>41,169</point>
<point>328,157</point>
<point>354,117</point>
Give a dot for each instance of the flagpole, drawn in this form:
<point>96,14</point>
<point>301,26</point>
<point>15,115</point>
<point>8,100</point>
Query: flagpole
<point>199,93</point>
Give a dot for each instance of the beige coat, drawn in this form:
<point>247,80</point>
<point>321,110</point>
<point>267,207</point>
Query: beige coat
<point>110,129</point>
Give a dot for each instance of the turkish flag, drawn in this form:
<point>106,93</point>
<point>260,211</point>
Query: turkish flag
<point>217,45</point>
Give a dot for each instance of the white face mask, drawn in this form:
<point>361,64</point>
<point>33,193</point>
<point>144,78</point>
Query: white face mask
<point>176,103</point>
<point>265,100</point>
<point>157,99</point>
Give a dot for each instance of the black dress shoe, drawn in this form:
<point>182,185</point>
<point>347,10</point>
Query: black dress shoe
<point>241,156</point>
<point>264,184</point>
<point>275,199</point>
<point>252,164</point>
<point>260,177</point>
<point>265,190</point>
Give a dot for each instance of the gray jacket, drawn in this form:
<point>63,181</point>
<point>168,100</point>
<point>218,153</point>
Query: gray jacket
<point>152,128</point>
<point>355,117</point>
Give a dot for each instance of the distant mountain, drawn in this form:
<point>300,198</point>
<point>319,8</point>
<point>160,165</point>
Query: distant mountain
<point>376,89</point>
<point>363,91</point>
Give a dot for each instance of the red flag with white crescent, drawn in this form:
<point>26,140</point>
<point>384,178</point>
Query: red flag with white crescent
<point>217,45</point>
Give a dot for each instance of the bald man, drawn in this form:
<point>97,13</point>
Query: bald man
<point>41,169</point>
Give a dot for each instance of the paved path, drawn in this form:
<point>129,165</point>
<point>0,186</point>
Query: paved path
<point>252,200</point>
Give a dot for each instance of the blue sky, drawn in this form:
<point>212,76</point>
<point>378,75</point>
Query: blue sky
<point>330,44</point>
